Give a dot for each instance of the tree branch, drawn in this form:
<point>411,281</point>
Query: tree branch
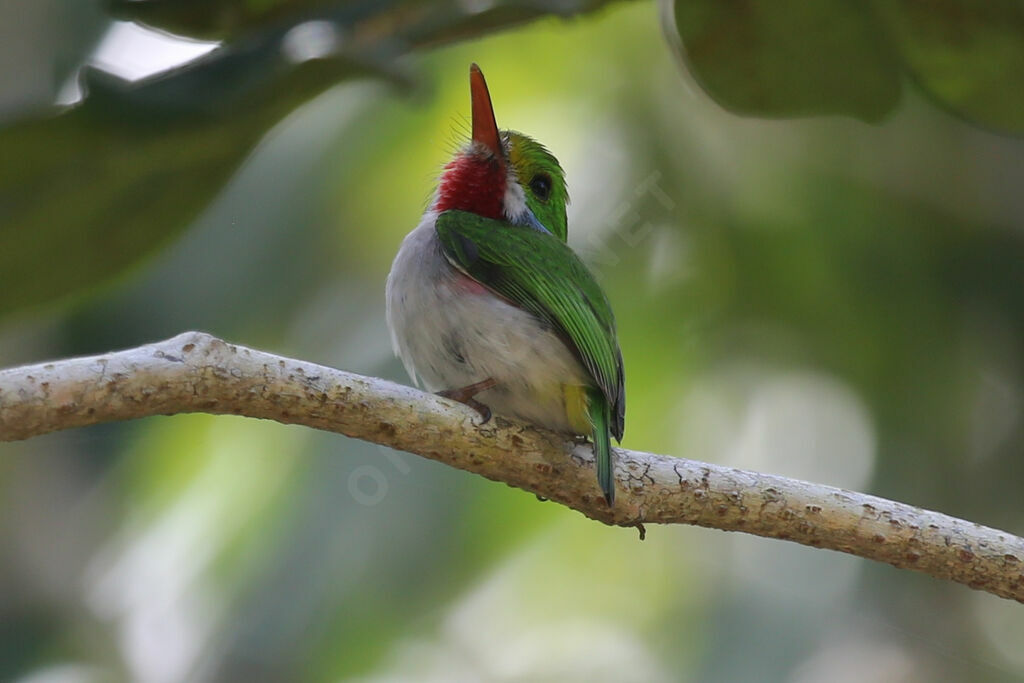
<point>195,372</point>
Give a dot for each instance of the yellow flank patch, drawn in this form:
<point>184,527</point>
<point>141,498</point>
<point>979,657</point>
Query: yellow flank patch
<point>576,408</point>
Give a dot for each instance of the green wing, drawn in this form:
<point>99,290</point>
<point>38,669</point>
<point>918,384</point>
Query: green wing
<point>540,273</point>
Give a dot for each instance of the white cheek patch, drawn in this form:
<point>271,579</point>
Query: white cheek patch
<point>515,201</point>
<point>516,210</point>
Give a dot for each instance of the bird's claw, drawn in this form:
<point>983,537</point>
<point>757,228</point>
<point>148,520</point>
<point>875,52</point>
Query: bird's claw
<point>465,396</point>
<point>485,412</point>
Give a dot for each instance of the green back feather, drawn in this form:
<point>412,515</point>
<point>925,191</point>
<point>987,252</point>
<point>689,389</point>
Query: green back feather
<point>540,273</point>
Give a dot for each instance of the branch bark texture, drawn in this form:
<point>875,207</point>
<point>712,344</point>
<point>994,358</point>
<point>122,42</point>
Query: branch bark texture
<point>195,372</point>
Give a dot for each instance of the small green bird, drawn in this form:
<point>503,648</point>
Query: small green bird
<point>488,305</point>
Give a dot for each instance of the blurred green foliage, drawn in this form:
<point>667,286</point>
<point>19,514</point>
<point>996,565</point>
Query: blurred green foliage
<point>815,297</point>
<point>220,19</point>
<point>771,58</point>
<point>784,58</point>
<point>154,153</point>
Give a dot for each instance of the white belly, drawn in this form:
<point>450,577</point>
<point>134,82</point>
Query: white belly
<point>450,333</point>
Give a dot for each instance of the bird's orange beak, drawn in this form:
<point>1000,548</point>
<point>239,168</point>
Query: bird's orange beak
<point>485,129</point>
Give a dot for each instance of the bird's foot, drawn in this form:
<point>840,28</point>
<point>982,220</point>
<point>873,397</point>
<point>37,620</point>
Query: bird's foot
<point>485,412</point>
<point>465,395</point>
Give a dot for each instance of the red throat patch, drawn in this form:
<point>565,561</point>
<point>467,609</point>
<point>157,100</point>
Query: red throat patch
<point>474,184</point>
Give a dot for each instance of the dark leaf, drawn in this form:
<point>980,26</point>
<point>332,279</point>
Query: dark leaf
<point>967,56</point>
<point>87,193</point>
<point>789,58</point>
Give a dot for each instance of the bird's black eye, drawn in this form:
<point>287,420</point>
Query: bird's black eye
<point>540,185</point>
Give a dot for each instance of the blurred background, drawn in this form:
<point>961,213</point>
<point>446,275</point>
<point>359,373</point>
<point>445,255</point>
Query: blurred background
<point>810,223</point>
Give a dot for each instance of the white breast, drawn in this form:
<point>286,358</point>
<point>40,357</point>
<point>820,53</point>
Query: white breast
<point>450,334</point>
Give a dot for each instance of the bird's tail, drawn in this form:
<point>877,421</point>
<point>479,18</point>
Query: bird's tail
<point>600,418</point>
